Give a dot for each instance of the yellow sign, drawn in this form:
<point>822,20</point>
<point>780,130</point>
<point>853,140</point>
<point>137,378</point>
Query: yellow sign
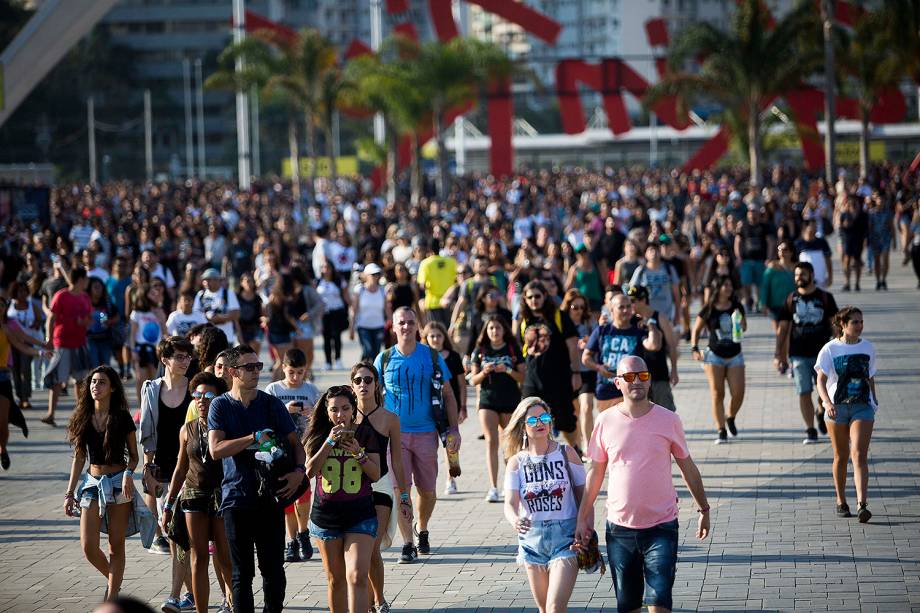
<point>848,152</point>
<point>345,165</point>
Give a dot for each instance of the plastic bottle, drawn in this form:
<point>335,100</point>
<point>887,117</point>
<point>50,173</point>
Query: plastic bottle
<point>737,329</point>
<point>453,459</point>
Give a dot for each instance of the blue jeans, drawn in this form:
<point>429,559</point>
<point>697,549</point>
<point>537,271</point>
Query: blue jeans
<point>100,352</point>
<point>371,339</point>
<point>260,528</point>
<point>643,562</point>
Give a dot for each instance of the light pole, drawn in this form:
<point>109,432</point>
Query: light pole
<point>199,103</point>
<point>827,17</point>
<point>189,135</point>
<point>242,101</point>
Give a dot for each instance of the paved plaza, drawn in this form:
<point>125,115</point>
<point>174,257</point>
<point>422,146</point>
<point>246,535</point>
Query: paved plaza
<point>776,544</point>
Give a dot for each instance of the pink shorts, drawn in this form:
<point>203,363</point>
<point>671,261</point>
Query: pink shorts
<point>420,459</point>
<point>304,499</point>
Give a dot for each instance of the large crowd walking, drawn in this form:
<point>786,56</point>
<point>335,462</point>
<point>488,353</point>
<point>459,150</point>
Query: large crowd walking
<point>181,322</point>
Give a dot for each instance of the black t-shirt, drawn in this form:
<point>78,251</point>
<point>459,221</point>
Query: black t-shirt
<point>455,366</point>
<point>240,258</point>
<point>657,361</point>
<point>549,375</point>
<point>609,248</point>
<point>123,428</point>
<point>754,241</point>
<point>498,390</point>
<point>169,422</point>
<point>719,324</point>
<point>250,312</point>
<point>811,317</point>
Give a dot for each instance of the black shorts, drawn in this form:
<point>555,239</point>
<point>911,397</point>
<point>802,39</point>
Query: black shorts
<point>588,383</point>
<point>563,413</point>
<point>499,410</point>
<point>382,500</point>
<point>208,505</point>
<point>146,355</point>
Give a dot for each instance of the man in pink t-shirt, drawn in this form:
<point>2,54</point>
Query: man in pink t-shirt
<point>636,439</point>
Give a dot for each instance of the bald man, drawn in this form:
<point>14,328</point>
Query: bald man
<point>639,437</point>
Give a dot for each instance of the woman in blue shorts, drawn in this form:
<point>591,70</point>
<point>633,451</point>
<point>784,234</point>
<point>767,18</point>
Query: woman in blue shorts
<point>722,360</point>
<point>846,383</point>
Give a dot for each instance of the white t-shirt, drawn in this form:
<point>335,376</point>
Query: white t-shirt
<point>848,369</point>
<point>331,293</point>
<point>178,323</point>
<point>369,308</point>
<point>210,303</point>
<point>165,274</point>
<point>148,328</point>
<point>543,483</point>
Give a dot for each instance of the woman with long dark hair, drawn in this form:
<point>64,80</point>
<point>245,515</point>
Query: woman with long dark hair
<point>497,369</point>
<point>104,318</point>
<point>345,461</point>
<point>251,311</point>
<point>722,360</point>
<point>488,302</point>
<point>579,310</point>
<point>102,431</point>
<point>846,369</point>
<point>384,426</point>
<point>281,323</point>
<point>201,476</point>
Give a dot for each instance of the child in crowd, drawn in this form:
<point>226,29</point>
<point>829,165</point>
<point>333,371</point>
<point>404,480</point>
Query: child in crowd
<point>299,396</point>
<point>184,318</point>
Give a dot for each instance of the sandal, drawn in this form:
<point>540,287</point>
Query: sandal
<point>48,419</point>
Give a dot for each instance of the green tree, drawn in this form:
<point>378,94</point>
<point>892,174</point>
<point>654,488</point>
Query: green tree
<point>744,67</point>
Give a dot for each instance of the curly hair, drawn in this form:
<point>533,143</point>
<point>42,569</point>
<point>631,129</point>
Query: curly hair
<point>210,343</point>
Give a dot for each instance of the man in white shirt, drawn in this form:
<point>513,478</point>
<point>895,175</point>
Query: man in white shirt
<point>218,303</point>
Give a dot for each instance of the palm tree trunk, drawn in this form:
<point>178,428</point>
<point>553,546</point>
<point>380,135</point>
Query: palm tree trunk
<point>314,158</point>
<point>415,177</point>
<point>330,153</point>
<point>392,155</point>
<point>443,177</point>
<point>863,142</point>
<point>754,144</point>
<point>295,159</point>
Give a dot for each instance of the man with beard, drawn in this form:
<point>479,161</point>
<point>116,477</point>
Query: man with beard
<point>804,327</point>
<point>638,438</point>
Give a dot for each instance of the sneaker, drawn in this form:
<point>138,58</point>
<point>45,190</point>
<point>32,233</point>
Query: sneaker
<point>383,607</point>
<point>409,554</point>
<point>171,605</point>
<point>306,548</point>
<point>843,510</point>
<point>863,513</point>
<point>822,425</point>
<point>338,365</point>
<point>424,547</point>
<point>811,437</point>
<point>160,546</point>
<point>224,608</point>
<point>187,603</point>
<point>5,460</point>
<point>722,438</point>
<point>730,422</point>
<point>292,551</point>
<point>451,487</point>
<point>845,288</point>
<point>493,495</point>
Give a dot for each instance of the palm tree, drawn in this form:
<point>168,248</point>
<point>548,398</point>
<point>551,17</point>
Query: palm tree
<point>743,68</point>
<point>334,87</point>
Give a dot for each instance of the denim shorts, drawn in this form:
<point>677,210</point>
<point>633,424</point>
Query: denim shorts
<point>847,413</point>
<point>803,374</point>
<point>546,542</point>
<point>279,339</point>
<point>710,358</point>
<point>368,527</point>
<point>305,330</point>
<point>643,562</point>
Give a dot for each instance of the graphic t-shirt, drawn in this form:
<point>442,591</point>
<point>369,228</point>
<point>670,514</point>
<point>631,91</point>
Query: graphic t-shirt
<point>659,283</point>
<point>307,393</point>
<point>719,324</point>
<point>220,302</point>
<point>148,328</point>
<point>178,323</point>
<point>543,483</point>
<point>848,369</point>
<point>342,490</point>
<point>498,390</point>
<point>609,345</point>
<point>638,453</point>
<point>407,386</point>
<point>754,241</point>
<point>811,316</point>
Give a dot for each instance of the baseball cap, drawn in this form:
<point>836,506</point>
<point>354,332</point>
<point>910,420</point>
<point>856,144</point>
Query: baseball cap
<point>372,269</point>
<point>212,273</point>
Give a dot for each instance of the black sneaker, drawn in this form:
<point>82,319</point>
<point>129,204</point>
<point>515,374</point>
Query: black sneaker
<point>730,423</point>
<point>292,551</point>
<point>863,513</point>
<point>811,437</point>
<point>843,510</point>
<point>409,554</point>
<point>822,426</point>
<point>306,548</point>
<point>424,547</point>
<point>722,438</point>
<point>5,460</point>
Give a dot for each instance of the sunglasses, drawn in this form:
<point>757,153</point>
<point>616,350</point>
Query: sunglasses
<point>576,307</point>
<point>629,377</point>
<point>367,380</point>
<point>533,297</point>
<point>251,367</point>
<point>533,420</point>
<point>205,395</point>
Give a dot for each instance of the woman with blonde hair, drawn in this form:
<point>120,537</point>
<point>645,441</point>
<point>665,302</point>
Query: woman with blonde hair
<point>544,482</point>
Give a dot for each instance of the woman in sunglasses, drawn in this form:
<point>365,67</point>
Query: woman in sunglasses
<point>543,483</point>
<point>345,461</point>
<point>201,476</point>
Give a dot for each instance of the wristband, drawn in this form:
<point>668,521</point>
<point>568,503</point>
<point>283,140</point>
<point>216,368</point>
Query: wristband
<point>703,510</point>
<point>68,495</point>
<point>330,441</point>
<point>301,468</point>
<point>363,459</point>
<point>404,497</point>
<point>129,471</point>
<point>695,348</point>
<point>653,322</point>
<point>167,506</point>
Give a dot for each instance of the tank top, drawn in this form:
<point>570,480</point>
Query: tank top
<point>544,485</point>
<point>25,317</point>
<point>382,440</point>
<point>589,284</point>
<point>205,474</point>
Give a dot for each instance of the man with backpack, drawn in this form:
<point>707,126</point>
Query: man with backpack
<point>218,303</point>
<point>661,280</point>
<point>805,327</point>
<point>415,379</point>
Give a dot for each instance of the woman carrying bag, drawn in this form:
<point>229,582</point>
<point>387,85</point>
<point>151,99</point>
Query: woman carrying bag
<point>543,483</point>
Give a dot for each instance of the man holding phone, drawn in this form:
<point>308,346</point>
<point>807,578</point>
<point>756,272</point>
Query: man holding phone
<point>236,421</point>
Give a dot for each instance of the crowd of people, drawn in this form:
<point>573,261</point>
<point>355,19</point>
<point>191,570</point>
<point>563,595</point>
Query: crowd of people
<point>558,303</point>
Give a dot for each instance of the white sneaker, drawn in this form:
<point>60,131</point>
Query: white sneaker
<point>338,365</point>
<point>493,495</point>
<point>450,488</point>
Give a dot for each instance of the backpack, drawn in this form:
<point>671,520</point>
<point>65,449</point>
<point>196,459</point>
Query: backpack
<point>438,412</point>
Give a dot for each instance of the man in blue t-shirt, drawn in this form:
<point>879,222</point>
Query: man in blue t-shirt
<point>614,340</point>
<point>407,370</point>
<point>236,421</point>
